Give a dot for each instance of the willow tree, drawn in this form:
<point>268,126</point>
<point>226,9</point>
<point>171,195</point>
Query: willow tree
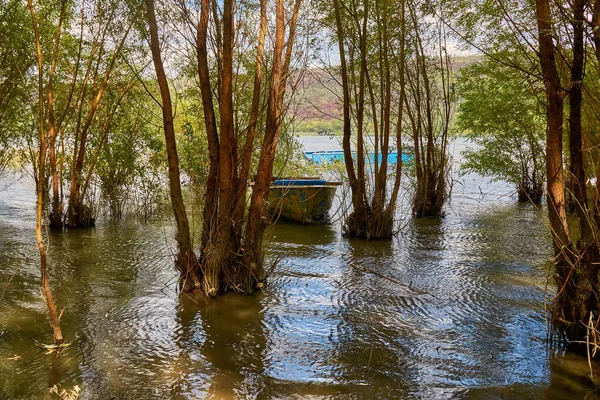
<point>42,150</point>
<point>232,238</point>
<point>102,36</point>
<point>559,51</point>
<point>577,251</point>
<point>81,44</point>
<point>508,127</point>
<point>186,260</point>
<point>429,108</point>
<point>242,136</point>
<point>371,41</point>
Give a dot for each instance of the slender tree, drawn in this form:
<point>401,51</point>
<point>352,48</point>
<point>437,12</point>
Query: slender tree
<point>429,107</point>
<point>231,251</point>
<point>43,148</point>
<point>79,214</point>
<point>186,261</point>
<point>370,95</point>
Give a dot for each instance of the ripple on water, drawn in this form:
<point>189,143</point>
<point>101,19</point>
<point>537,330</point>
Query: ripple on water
<point>452,308</point>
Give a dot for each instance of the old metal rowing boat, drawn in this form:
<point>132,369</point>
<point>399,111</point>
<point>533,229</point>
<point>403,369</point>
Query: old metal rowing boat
<point>302,200</point>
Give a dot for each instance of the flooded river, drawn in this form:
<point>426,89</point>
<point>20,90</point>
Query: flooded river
<point>452,308</point>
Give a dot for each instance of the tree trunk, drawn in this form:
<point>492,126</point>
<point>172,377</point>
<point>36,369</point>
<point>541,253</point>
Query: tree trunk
<point>372,215</point>
<point>357,222</point>
<point>54,319</point>
<point>252,266</point>
<point>211,203</point>
<point>576,168</point>
<point>219,249</point>
<point>186,261</point>
<point>56,217</point>
<point>554,114</point>
<point>577,267</point>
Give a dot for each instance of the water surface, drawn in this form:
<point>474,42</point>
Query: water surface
<point>452,308</point>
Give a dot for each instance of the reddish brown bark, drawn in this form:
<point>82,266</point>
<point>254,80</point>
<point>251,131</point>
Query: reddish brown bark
<point>232,251</point>
<point>554,148</point>
<point>79,215</point>
<point>43,148</point>
<point>186,260</point>
<point>223,244</point>
<point>210,211</point>
<point>257,212</point>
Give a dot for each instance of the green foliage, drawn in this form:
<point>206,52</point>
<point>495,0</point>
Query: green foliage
<point>133,152</point>
<point>290,159</point>
<point>16,57</point>
<point>193,145</point>
<point>501,115</point>
<point>320,126</point>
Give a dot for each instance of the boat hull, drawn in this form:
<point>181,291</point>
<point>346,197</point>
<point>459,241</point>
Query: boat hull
<point>301,203</point>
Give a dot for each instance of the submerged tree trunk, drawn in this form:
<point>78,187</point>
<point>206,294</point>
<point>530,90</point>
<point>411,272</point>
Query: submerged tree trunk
<point>232,253</point>
<point>252,263</point>
<point>186,261</point>
<point>211,204</point>
<point>56,216</point>
<point>53,314</point>
<point>223,244</point>
<point>372,215</point>
<point>429,106</point>
<point>576,167</point>
<point>79,214</point>
<point>577,264</point>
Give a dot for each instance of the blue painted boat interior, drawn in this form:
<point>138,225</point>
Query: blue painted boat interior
<point>328,157</point>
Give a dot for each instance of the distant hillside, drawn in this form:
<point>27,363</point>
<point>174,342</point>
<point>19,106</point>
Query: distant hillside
<point>317,107</point>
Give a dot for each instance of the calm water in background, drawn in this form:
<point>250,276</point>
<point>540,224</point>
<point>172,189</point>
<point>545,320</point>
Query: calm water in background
<point>462,315</point>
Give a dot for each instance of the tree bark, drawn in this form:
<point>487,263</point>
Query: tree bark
<point>554,168</point>
<point>54,319</point>
<point>220,248</point>
<point>253,260</point>
<point>211,203</point>
<point>186,260</point>
<point>576,168</point>
<point>56,217</point>
<point>372,216</point>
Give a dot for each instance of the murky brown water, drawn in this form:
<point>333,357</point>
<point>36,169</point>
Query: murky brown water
<point>462,315</point>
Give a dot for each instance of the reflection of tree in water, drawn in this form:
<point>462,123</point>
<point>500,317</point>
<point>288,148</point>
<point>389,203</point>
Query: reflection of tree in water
<point>225,340</point>
<point>98,271</point>
<point>113,315</point>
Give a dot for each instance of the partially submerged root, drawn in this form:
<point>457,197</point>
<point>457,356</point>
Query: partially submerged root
<point>190,272</point>
<point>368,225</point>
<point>577,297</point>
<point>216,275</point>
